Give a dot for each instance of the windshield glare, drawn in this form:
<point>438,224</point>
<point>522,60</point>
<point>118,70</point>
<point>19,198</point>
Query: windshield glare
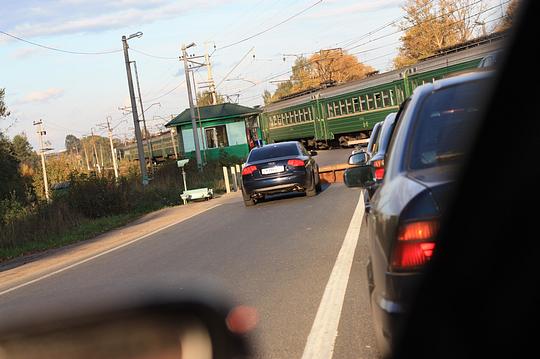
<point>273,151</point>
<point>447,120</point>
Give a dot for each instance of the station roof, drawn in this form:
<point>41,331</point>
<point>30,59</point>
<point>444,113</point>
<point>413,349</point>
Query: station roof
<point>214,112</point>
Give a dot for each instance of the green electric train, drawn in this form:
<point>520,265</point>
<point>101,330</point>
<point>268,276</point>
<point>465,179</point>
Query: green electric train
<point>346,113</point>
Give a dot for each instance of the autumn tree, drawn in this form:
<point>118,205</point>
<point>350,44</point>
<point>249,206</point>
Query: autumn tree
<point>509,16</point>
<point>204,98</point>
<point>430,26</point>
<point>324,67</point>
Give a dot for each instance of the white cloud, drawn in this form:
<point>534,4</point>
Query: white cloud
<point>78,16</point>
<point>357,8</point>
<point>41,96</point>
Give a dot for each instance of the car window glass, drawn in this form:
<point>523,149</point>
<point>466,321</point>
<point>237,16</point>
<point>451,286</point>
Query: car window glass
<point>273,151</point>
<point>446,120</point>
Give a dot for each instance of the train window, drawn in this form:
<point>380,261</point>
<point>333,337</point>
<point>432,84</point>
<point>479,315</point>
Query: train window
<point>337,111</point>
<point>378,100</point>
<point>309,114</point>
<point>369,102</point>
<point>348,104</point>
<point>306,115</point>
<point>385,97</point>
<point>287,118</point>
<point>355,104</point>
<point>330,108</point>
<point>343,110</point>
<point>392,97</point>
<point>296,116</point>
<point>362,103</point>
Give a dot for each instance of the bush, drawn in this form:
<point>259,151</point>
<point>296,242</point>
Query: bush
<point>89,197</point>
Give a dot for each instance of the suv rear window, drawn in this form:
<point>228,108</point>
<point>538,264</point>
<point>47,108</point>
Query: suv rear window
<point>273,151</point>
<point>447,120</point>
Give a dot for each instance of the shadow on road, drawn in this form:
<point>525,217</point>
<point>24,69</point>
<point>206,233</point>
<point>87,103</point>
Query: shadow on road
<point>283,196</point>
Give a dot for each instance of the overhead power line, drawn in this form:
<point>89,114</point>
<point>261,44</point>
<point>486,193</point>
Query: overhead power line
<point>155,56</point>
<point>271,77</point>
<point>271,27</point>
<point>235,66</point>
<point>60,50</point>
<point>435,18</point>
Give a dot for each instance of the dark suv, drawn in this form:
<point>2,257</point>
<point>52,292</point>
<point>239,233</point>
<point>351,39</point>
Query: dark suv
<point>428,145</point>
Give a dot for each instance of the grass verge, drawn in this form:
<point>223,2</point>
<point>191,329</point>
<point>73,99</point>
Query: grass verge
<point>88,229</point>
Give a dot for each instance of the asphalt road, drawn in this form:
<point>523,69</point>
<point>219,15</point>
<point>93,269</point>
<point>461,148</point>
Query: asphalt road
<point>332,157</point>
<point>276,256</point>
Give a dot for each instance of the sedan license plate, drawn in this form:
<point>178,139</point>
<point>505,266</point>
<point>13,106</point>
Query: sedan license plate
<point>270,170</point>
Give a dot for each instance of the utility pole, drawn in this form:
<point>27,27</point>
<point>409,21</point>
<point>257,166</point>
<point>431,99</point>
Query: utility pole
<point>140,149</point>
<point>211,83</point>
<point>95,155</point>
<point>101,153</point>
<point>199,117</point>
<point>113,154</point>
<point>146,133</point>
<point>191,107</point>
<point>86,156</point>
<point>42,150</point>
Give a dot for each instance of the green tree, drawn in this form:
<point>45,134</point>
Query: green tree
<point>72,144</point>
<point>204,98</point>
<point>23,150</point>
<point>13,185</point>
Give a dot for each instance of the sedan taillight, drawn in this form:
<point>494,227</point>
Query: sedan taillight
<point>248,170</point>
<point>415,245</point>
<point>296,163</point>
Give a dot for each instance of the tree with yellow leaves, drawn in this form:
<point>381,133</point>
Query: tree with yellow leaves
<point>430,26</point>
<point>325,67</point>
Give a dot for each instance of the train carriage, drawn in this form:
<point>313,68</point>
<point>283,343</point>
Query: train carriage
<point>325,117</point>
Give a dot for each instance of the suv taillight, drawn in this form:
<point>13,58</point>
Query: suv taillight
<point>379,169</point>
<point>248,170</point>
<point>415,244</point>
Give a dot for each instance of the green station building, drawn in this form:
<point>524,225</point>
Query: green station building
<point>226,127</point>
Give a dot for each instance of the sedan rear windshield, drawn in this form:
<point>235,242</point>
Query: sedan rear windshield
<point>447,120</point>
<point>273,151</point>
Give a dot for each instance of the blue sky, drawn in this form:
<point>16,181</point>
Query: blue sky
<point>73,93</point>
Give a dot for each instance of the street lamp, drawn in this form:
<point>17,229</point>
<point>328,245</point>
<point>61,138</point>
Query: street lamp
<point>137,34</point>
<point>140,149</point>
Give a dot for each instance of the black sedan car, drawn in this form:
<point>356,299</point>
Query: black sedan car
<point>278,168</point>
<point>429,143</point>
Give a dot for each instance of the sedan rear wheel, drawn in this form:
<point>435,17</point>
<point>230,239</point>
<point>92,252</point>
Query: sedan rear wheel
<point>312,190</point>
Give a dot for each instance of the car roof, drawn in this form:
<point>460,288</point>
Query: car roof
<point>452,81</point>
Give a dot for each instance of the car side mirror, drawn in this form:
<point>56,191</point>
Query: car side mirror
<point>361,176</point>
<point>313,153</point>
<point>358,159</point>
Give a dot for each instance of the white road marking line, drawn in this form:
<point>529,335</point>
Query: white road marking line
<point>321,339</point>
<point>103,253</point>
